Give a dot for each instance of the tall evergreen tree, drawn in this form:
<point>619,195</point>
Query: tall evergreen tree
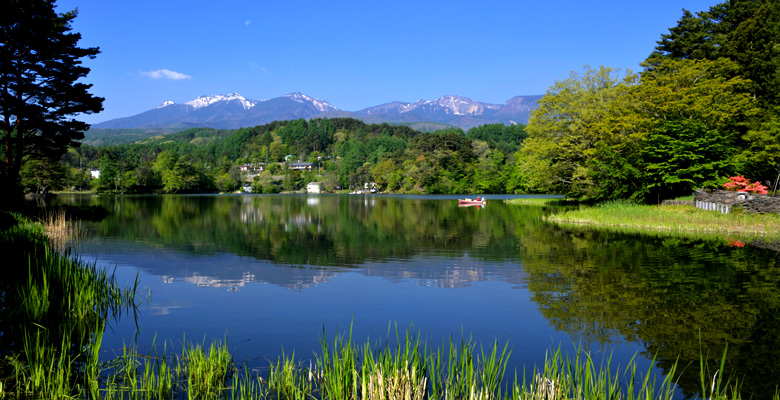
<point>40,65</point>
<point>745,31</point>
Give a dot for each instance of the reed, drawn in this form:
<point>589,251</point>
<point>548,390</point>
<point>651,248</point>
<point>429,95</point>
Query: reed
<point>63,234</point>
<point>406,370</point>
<point>684,221</point>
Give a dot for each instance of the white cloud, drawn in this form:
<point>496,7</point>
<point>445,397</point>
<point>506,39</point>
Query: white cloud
<point>247,22</point>
<point>165,74</point>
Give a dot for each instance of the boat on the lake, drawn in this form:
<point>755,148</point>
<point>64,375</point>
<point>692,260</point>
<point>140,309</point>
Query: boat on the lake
<point>472,202</point>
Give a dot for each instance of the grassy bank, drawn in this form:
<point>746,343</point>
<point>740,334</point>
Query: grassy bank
<point>535,201</point>
<point>685,221</point>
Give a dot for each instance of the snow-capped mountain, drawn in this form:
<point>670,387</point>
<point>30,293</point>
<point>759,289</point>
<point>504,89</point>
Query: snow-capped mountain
<point>456,110</point>
<point>223,111</point>
<point>205,101</point>
<point>321,105</point>
<point>234,111</point>
<point>452,105</point>
<point>165,104</point>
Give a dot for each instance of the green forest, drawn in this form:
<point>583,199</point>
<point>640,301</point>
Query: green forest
<point>345,153</point>
<point>703,107</point>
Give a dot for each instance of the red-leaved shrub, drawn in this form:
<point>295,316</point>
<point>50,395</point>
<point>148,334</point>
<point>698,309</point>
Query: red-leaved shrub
<point>741,184</point>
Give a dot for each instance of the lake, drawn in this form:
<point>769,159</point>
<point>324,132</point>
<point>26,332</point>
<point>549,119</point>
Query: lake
<point>274,273</point>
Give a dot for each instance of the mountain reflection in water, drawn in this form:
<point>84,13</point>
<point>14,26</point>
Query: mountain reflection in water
<point>497,272</point>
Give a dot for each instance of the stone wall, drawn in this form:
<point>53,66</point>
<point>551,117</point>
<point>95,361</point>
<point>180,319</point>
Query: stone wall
<point>677,203</point>
<point>724,201</point>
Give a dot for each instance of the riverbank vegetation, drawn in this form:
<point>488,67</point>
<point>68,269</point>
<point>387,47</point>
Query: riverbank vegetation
<point>54,310</point>
<point>679,220</point>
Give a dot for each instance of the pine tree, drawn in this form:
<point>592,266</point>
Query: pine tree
<point>40,65</point>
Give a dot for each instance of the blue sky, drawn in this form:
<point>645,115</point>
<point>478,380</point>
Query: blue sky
<point>356,54</point>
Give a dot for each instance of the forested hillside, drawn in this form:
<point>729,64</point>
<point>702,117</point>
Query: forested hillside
<point>346,153</point>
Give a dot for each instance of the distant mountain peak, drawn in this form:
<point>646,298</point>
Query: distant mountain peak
<point>165,104</point>
<point>459,105</point>
<point>449,104</point>
<point>233,111</point>
<point>205,101</point>
<point>321,105</point>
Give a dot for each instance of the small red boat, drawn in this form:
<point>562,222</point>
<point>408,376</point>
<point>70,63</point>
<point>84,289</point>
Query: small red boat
<point>472,202</point>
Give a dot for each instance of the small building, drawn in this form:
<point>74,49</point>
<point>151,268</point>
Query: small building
<point>314,187</point>
<point>302,166</point>
<point>94,173</point>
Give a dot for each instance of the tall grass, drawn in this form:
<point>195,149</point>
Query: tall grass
<point>54,310</point>
<point>407,370</point>
<point>685,221</point>
<point>63,234</point>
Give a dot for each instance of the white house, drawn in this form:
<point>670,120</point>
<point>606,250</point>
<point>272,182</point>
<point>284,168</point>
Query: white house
<point>314,187</point>
<point>95,173</point>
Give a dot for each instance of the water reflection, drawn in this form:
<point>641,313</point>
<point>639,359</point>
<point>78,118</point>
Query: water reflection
<point>674,298</point>
<point>679,298</point>
<point>378,234</point>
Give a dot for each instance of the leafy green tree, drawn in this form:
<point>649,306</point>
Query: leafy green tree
<point>78,178</point>
<point>760,158</point>
<point>387,175</point>
<point>175,176</point>
<point>40,69</point>
<point>292,180</point>
<point>264,184</point>
<point>277,149</point>
<point>230,181</point>
<point>681,156</point>
<point>353,157</point>
<point>147,178</point>
<point>40,176</point>
<point>330,180</point>
<point>488,170</point>
<point>700,110</point>
<point>127,182</point>
<point>360,176</point>
<point>109,174</point>
<point>576,118</point>
<point>506,138</point>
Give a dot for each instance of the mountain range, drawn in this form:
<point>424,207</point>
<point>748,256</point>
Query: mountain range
<point>234,111</point>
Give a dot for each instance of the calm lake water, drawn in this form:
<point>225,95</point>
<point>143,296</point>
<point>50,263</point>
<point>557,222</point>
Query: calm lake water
<point>272,273</point>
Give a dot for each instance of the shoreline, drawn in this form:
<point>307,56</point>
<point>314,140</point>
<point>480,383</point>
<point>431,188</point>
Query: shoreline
<point>673,220</point>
